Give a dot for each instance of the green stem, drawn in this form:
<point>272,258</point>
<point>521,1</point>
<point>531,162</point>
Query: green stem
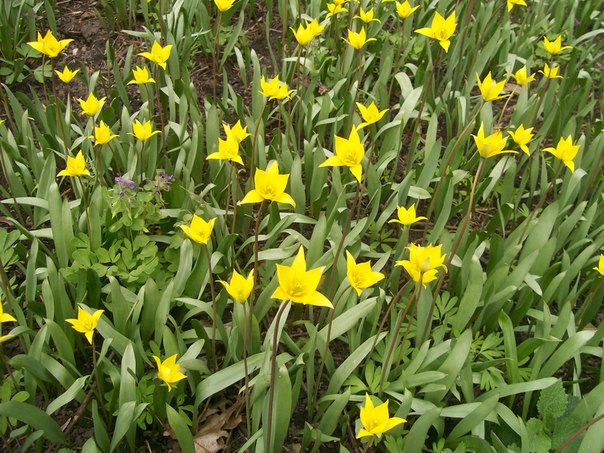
<point>57,109</point>
<point>246,370</point>
<point>215,53</point>
<point>254,138</point>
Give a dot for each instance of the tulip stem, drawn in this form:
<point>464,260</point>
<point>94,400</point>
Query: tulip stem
<point>540,203</point>
<point>446,165</point>
<point>254,138</point>
<point>256,246</point>
<point>356,91</point>
<point>327,340</point>
<point>421,110</point>
<point>214,308</point>
<point>140,158</point>
<point>334,267</point>
<point>245,370</point>
<point>161,117</point>
<point>235,183</point>
<point>505,106</point>
<point>578,432</point>
<point>468,212</point>
<point>99,166</point>
<point>397,61</point>
<point>57,108</point>
<point>215,52</point>
<point>271,396</point>
<point>86,210</point>
<point>228,198</point>
<point>587,303</point>
<point>392,303</point>
<point>457,240</point>
<point>385,364</point>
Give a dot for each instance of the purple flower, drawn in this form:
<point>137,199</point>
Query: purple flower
<point>124,183</point>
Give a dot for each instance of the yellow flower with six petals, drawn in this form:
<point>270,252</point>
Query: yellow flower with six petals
<point>565,151</point>
<point>141,76</point>
<point>158,54</point>
<point>67,74</point>
<point>102,134</point>
<point>522,137</point>
<point>423,262</point>
<point>521,76</point>
<point>86,323</point>
<point>376,420</point>
<point>407,216</point>
<point>491,145</point>
<point>360,276</point>
<point>76,166</point>
<point>274,89</point>
<point>441,29</point>
<point>299,285</point>
<point>168,370</point>
<point>349,153</point>
<point>143,131</point>
<point>49,45</point>
<point>550,73</point>
<point>370,114</point>
<point>554,47</point>
<point>269,185</point>
<point>239,288</point>
<point>512,3</point>
<point>358,40</point>
<point>199,230</point>
<point>489,88</point>
<point>600,266</point>
<point>404,9</point>
<point>91,106</point>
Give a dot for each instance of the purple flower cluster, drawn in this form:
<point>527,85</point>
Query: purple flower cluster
<point>124,183</point>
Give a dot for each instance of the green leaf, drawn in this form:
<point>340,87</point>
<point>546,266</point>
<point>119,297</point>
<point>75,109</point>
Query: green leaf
<point>178,423</point>
<point>552,401</point>
<point>539,440</point>
<point>35,417</point>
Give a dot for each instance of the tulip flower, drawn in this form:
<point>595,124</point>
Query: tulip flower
<point>360,276</point>
<point>423,262</point>
<point>141,76</point>
<point>224,5</point>
<point>358,40</point>
<point>274,89</point>
<point>521,137</point>
<point>239,287</point>
<point>76,166</point>
<point>550,73</point>
<point>143,131</point>
<point>349,153</point>
<point>376,420</point>
<point>565,151</point>
<point>404,9</point>
<point>370,114</point>
<point>269,185</point>
<point>86,323</point>
<point>335,9</point>
<point>49,45</point>
<point>554,47</point>
<point>102,134</point>
<point>366,16</point>
<point>227,150</point>
<point>600,266</point>
<point>305,34</point>
<point>237,132</point>
<point>512,3</point>
<point>199,230</point>
<point>158,54</point>
<point>67,74</point>
<point>299,285</point>
<point>521,76</point>
<point>5,317</point>
<point>168,370</point>
<point>91,106</point>
<point>407,216</point>
<point>489,88</point>
<point>441,29</point>
<point>490,145</point>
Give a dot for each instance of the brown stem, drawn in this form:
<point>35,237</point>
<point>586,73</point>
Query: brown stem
<point>228,198</point>
<point>540,203</point>
<point>397,329</point>
<point>256,247</point>
<point>215,54</point>
<point>57,109</point>
<point>578,432</point>
<point>245,370</point>
<point>254,138</point>
<point>397,61</point>
<point>327,340</point>
<point>271,396</point>
<point>235,183</point>
<point>214,308</point>
<point>505,106</point>
<point>588,302</point>
<point>447,162</point>
<point>421,109</point>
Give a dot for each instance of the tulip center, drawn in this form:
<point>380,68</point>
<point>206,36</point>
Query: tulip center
<point>425,266</point>
<point>297,289</point>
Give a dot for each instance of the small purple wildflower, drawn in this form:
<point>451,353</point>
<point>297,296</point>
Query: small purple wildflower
<point>124,183</point>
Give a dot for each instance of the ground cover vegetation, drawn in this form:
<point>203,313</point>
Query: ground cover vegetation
<point>237,225</point>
